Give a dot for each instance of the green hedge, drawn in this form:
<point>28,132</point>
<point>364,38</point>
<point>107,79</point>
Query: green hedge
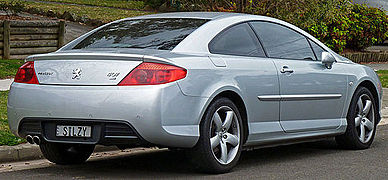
<point>367,26</point>
<point>337,23</point>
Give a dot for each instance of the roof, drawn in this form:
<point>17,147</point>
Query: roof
<point>194,15</point>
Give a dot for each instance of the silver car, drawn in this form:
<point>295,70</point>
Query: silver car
<point>209,83</point>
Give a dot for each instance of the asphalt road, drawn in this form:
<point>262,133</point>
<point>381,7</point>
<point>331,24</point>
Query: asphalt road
<point>317,160</point>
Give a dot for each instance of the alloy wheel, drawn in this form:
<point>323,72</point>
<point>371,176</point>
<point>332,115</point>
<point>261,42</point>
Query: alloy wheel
<point>224,135</point>
<point>365,118</point>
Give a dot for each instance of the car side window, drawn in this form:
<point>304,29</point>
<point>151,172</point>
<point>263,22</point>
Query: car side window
<point>282,42</point>
<point>317,50</point>
<point>237,40</point>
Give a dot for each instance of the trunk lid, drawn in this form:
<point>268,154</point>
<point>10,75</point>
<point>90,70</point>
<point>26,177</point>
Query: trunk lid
<point>84,68</point>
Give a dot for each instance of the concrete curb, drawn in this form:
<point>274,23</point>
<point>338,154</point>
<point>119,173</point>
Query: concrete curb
<point>24,152</point>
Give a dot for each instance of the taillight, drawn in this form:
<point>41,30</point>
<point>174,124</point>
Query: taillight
<point>153,73</point>
<point>26,74</point>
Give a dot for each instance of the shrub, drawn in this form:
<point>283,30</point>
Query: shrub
<point>327,20</point>
<point>356,29</point>
<point>368,26</point>
<point>337,23</point>
<point>155,4</point>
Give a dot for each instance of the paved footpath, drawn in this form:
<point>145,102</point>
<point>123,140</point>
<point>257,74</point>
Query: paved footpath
<point>5,84</point>
<point>380,66</point>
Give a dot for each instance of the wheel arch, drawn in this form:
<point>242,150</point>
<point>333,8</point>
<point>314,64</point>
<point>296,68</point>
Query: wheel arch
<point>373,89</point>
<point>237,99</point>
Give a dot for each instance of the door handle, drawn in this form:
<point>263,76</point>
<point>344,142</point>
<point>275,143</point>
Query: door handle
<point>285,69</point>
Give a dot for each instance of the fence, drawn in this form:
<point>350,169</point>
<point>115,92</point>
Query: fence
<point>19,39</point>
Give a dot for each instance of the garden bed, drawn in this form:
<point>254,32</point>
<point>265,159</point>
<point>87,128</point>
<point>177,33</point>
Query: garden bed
<point>95,15</point>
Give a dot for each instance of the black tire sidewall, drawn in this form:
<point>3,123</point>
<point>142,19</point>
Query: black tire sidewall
<point>57,152</point>
<point>211,164</point>
<point>351,131</point>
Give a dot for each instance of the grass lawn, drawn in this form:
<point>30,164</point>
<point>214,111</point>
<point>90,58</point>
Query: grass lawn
<point>139,5</point>
<point>104,14</point>
<point>383,74</point>
<point>8,68</point>
<point>6,137</point>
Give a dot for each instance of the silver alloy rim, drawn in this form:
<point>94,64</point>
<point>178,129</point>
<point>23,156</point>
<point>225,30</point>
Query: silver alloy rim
<point>365,118</point>
<point>224,135</point>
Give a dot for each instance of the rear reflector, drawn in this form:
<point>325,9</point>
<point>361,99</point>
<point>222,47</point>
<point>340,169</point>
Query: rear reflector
<point>153,73</point>
<point>26,74</point>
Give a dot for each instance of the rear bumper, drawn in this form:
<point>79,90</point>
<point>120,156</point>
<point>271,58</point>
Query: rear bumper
<point>103,131</point>
<point>159,114</point>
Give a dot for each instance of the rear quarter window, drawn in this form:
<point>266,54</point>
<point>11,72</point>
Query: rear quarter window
<point>163,34</point>
<point>238,40</point>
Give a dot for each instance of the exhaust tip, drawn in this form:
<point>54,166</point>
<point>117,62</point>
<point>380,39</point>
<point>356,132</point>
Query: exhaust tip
<point>36,140</point>
<point>29,139</point>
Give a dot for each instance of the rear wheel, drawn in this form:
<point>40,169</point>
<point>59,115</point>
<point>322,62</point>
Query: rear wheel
<point>361,120</point>
<point>219,147</point>
<point>61,153</point>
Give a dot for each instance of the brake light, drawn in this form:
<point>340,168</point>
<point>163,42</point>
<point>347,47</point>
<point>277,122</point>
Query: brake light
<point>153,73</point>
<point>26,74</point>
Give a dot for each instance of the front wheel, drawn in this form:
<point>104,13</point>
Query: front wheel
<point>219,147</point>
<point>362,121</point>
<point>61,153</point>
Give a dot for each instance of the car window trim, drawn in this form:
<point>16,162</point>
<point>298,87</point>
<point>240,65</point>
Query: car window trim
<point>318,46</point>
<point>258,39</point>
<point>288,28</point>
<point>311,47</point>
<point>258,43</point>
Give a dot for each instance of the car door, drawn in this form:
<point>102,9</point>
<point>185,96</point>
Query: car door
<point>311,96</point>
<point>255,74</point>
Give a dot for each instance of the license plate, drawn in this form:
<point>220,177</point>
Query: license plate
<point>74,131</point>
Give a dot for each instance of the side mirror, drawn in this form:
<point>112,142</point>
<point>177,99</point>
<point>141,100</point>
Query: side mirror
<point>327,59</point>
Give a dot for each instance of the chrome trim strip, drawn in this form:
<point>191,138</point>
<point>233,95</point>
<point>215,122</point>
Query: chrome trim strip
<point>270,98</point>
<point>310,97</point>
<point>299,97</point>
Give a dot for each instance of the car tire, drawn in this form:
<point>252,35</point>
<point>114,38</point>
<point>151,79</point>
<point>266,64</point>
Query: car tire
<point>362,124</point>
<point>219,146</point>
<point>65,154</point>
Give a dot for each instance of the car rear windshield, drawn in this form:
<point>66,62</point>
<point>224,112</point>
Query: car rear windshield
<point>163,34</point>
